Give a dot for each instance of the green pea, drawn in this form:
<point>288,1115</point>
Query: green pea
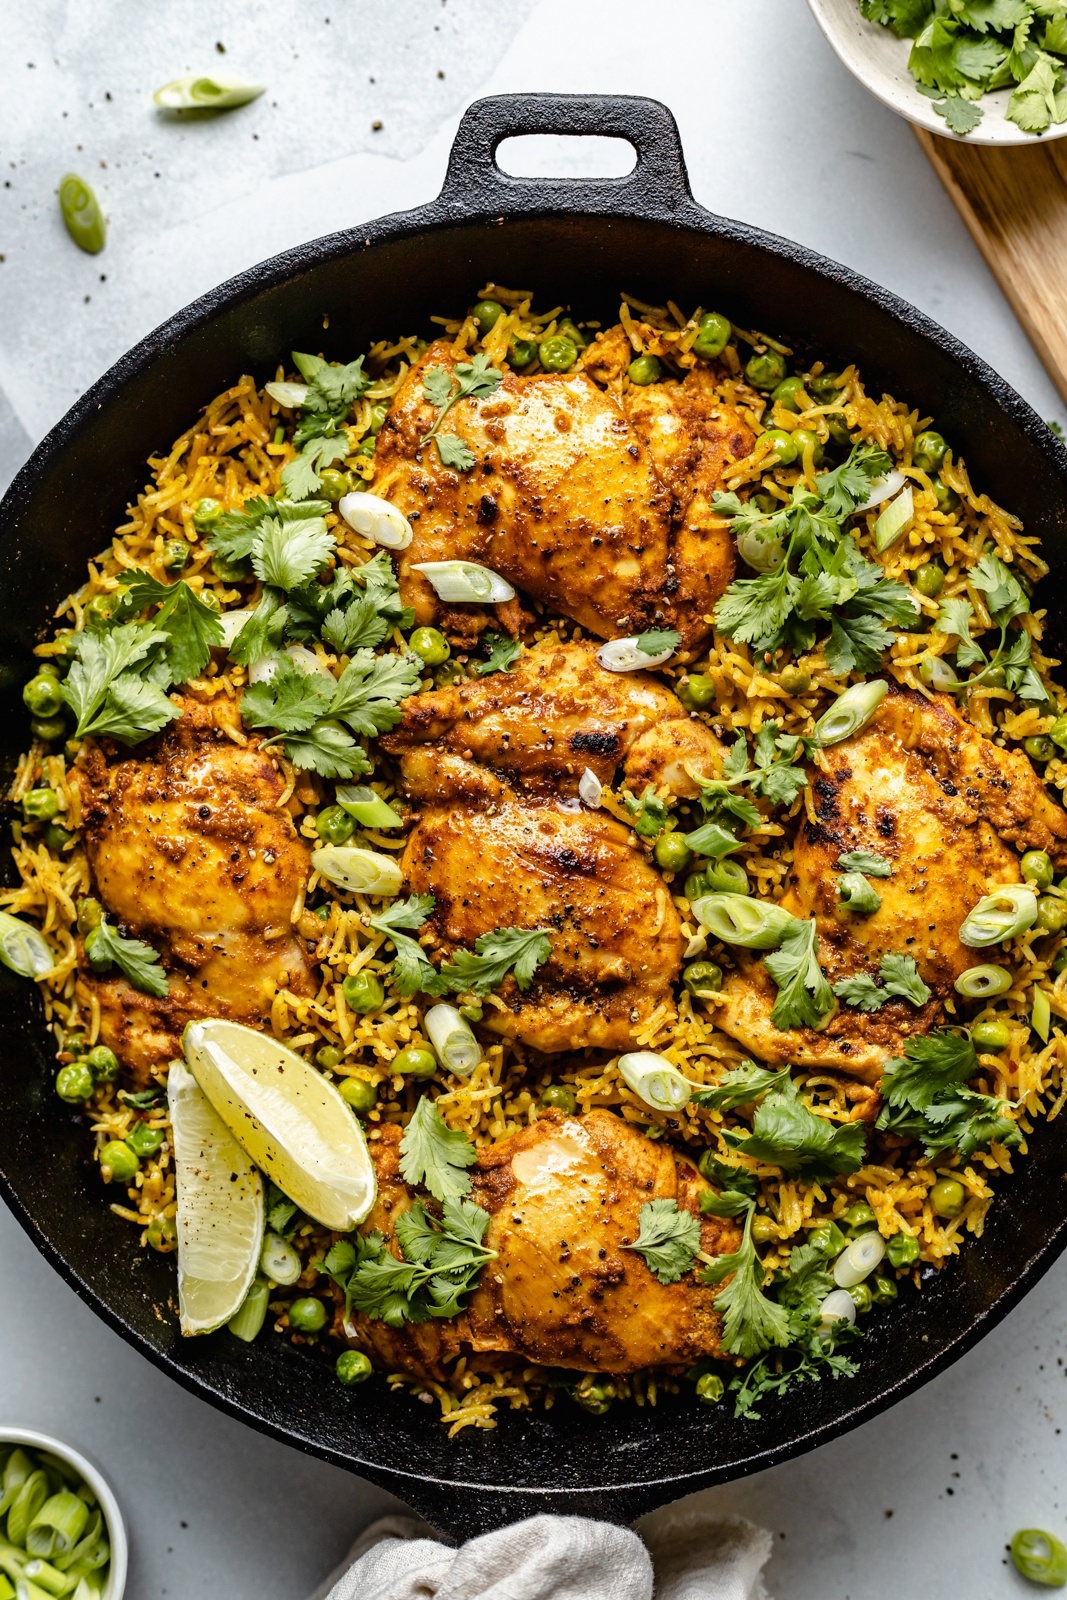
<point>883,1289</point>
<point>74,1083</point>
<point>103,1063</point>
<point>990,1035</point>
<point>558,354</point>
<point>333,483</point>
<point>996,678</point>
<point>795,680</point>
<point>1051,914</point>
<point>929,450</point>
<point>41,696</point>
<point>837,427</point>
<point>209,598</point>
<point>1059,962</point>
<point>378,415</point>
<point>858,1217</point>
<point>765,371</point>
<point>930,579</point>
<point>644,370</point>
<point>360,1094</point>
<point>487,313</point>
<point>802,438</point>
<point>726,877</point>
<point>948,1197</point>
<point>783,445</point>
<point>767,502</point>
<point>702,978</point>
<point>363,992</point>
<point>49,669</point>
<point>696,692</point>
<point>163,1234</point>
<point>947,499</point>
<point>118,1162</point>
<point>695,885</point>
<point>829,1238</point>
<point>89,915</point>
<point>431,645</point>
<point>414,1063</point>
<point>473,1011</point>
<point>672,853</point>
<point>560,1098</point>
<point>334,825</point>
<point>206,512</point>
<point>1058,732</point>
<point>901,1250</point>
<point>570,330</point>
<point>521,352</point>
<point>713,335</point>
<point>82,216</point>
<point>825,387</point>
<point>328,1057</point>
<point>452,672</point>
<point>145,1141</point>
<point>365,449</point>
<point>307,1315</point>
<point>352,1367</point>
<point>710,1388</point>
<point>764,1229</point>
<point>595,1397</point>
<point>788,393</point>
<point>1036,868</point>
<point>40,805</point>
<point>1038,748</point>
<point>175,557</point>
<point>229,571</point>
<point>48,730</point>
<point>57,838</point>
<point>861,1296</point>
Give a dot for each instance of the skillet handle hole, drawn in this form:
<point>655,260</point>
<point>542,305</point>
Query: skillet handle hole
<point>558,155</point>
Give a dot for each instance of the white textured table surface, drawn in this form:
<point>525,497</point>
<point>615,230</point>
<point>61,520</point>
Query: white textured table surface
<point>917,1503</point>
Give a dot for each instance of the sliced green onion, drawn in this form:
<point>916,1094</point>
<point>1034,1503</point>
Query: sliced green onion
<point>385,524</point>
<point>1000,915</point>
<point>252,1312</point>
<point>936,674</point>
<point>278,1260</point>
<point>82,216</point>
<point>710,839</point>
<point>739,919</point>
<point>58,1526</point>
<point>590,789</point>
<point>92,1552</point>
<point>453,1040</point>
<point>759,552</point>
<point>838,1306</point>
<point>193,93</point>
<point>1040,1557</point>
<point>232,623</point>
<point>358,871</point>
<point>23,948</point>
<point>368,808</point>
<point>655,1080</point>
<point>626,655</point>
<point>982,983</point>
<point>1041,1015</point>
<point>466,582</point>
<point>893,520</point>
<point>858,1260</point>
<point>25,1506</point>
<point>290,395</point>
<point>881,490</point>
<point>17,1469</point>
<point>851,711</point>
<point>47,1577</point>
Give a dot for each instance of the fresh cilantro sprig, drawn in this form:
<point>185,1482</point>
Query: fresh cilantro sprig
<point>737,1188</point>
<point>108,697</point>
<point>191,627</point>
<point>440,1263</point>
<point>503,654</point>
<point>752,1322</point>
<point>468,380</point>
<point>517,950</point>
<point>1006,599</point>
<point>926,1098</point>
<point>239,535</point>
<point>788,1134</point>
<point>306,710</point>
<point>668,1239</point>
<point>804,996</point>
<point>900,980</point>
<point>740,1087</point>
<point>320,433</point>
<point>316,609</point>
<point>856,894</point>
<point>137,961</point>
<point>412,970</point>
<point>773,776</point>
<point>654,641</point>
<point>435,1155</point>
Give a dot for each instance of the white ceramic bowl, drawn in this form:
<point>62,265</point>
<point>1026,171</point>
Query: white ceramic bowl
<point>116,1528</point>
<point>879,59</point>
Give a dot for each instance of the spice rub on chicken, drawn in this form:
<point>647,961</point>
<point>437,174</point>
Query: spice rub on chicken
<point>566,1288</point>
<point>191,849</point>
<point>922,788</point>
<point>582,505</point>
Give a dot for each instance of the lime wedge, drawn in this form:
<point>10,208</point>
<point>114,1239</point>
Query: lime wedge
<point>220,1209</point>
<point>287,1117</point>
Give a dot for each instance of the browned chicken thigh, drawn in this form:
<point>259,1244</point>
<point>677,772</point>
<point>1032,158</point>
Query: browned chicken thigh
<point>924,789</point>
<point>565,499</point>
<point>565,1289</point>
<point>191,849</point>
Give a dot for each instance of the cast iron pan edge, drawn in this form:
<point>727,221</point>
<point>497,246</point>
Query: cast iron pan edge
<point>477,193</point>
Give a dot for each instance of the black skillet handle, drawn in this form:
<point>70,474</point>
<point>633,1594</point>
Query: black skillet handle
<point>658,186</point>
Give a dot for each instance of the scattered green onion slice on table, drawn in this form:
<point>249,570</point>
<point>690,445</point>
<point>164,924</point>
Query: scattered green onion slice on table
<point>82,216</point>
<point>358,871</point>
<point>466,582</point>
<point>197,93</point>
<point>655,1080</point>
<point>739,919</point>
<point>23,948</point>
<point>1040,1556</point>
<point>367,807</point>
<point>851,711</point>
<point>894,519</point>
<point>453,1039</point>
<point>1001,915</point>
<point>982,983</point>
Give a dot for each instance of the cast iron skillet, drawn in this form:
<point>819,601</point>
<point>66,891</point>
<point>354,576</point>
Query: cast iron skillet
<point>578,242</point>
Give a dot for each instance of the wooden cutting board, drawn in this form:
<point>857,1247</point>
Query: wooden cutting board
<point>1014,202</point>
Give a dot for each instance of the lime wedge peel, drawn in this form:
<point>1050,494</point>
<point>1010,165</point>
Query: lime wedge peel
<point>287,1118</point>
<point>220,1209</point>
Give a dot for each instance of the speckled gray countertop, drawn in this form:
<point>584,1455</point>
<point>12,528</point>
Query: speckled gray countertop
<point>362,105</point>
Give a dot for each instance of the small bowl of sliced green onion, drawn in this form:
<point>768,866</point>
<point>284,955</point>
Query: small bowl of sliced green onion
<point>62,1536</point>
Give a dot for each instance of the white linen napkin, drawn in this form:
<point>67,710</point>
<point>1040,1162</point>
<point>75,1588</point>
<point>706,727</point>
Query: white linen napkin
<point>686,1555</point>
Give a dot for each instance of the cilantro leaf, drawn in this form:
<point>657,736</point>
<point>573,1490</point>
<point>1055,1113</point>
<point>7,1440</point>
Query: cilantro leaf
<point>264,632</point>
<point>875,866</point>
<point>469,380</point>
<point>732,1179</point>
<point>860,991</point>
<point>804,996</point>
<point>137,961</point>
<point>378,580</point>
<point>301,477</point>
<point>433,1155</point>
<point>901,977</point>
<point>856,894</point>
<point>654,641</point>
<point>329,750</point>
<point>962,116</point>
<point>102,659</point>
<point>370,689</point>
<point>440,1264</point>
<point>454,452</point>
<point>412,969</point>
<point>845,487</point>
<point>522,950</point>
<point>931,1063</point>
<point>236,535</point>
<point>957,1119</point>
<point>1005,595</point>
<point>503,654</point>
<point>728,1203</point>
<point>289,553</point>
<point>751,1321</point>
<point>786,1133</point>
<point>134,709</point>
<point>668,1239</point>
<point>332,392</point>
<point>360,627</point>
<point>291,701</point>
<point>191,627</point>
<point>740,1086</point>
